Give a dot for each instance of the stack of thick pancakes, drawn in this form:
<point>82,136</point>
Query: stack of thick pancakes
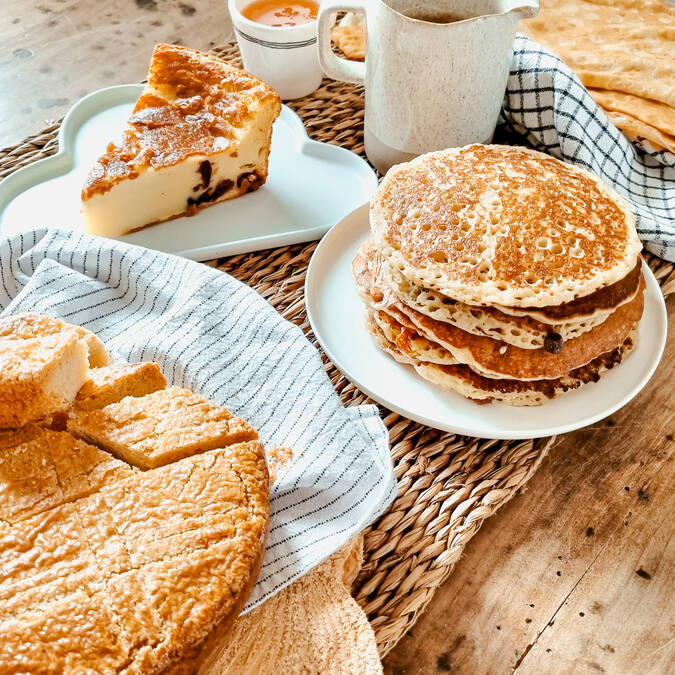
<point>501,273</point>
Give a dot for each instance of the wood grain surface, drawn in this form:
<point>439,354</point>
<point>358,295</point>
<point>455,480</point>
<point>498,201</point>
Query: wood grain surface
<point>573,576</point>
<point>53,52</point>
<point>576,574</point>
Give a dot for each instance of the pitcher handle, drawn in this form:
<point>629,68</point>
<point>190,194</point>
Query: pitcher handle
<point>524,9</point>
<point>333,65</point>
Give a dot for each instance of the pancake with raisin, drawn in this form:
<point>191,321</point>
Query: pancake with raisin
<point>501,273</point>
<point>493,357</point>
<point>467,382</point>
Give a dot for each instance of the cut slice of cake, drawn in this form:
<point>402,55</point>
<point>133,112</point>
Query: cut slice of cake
<point>39,377</point>
<point>41,469</point>
<point>111,384</point>
<point>159,428</point>
<point>199,134</point>
<point>31,325</point>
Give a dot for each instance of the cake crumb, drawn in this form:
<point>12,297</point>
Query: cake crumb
<point>277,459</point>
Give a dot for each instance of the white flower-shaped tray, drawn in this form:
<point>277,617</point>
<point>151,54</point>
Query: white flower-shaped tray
<point>310,187</point>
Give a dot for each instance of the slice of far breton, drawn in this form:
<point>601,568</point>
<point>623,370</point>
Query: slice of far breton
<point>111,384</point>
<point>159,428</point>
<point>199,134</point>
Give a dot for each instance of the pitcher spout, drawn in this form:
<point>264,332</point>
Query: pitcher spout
<point>523,9</point>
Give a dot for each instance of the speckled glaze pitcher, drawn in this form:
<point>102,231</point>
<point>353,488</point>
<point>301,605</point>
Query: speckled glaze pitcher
<point>435,70</point>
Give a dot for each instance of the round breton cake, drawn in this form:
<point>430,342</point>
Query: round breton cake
<point>499,225</point>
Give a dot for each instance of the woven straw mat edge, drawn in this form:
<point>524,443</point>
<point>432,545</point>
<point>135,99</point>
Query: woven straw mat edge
<point>447,484</point>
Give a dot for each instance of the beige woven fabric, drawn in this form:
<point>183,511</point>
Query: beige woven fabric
<point>312,626</point>
<point>447,484</point>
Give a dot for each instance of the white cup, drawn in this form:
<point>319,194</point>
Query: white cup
<point>429,85</point>
<point>286,57</point>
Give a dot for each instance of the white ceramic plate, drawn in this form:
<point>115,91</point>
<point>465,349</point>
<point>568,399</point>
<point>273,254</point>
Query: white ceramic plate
<point>336,315</point>
<point>309,188</point>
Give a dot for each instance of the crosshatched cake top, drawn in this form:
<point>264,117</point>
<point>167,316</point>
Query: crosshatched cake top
<point>194,104</point>
<point>490,224</point>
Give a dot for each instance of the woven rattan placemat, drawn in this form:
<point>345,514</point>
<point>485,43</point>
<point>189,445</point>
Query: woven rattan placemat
<point>447,484</point>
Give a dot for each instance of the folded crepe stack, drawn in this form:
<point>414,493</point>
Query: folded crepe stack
<point>501,273</point>
<point>622,50</point>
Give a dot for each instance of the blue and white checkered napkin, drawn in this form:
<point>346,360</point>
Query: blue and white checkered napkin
<point>546,104</point>
<point>216,336</point>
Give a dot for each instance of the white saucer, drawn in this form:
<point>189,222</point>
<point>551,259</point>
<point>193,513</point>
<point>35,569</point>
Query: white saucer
<point>336,312</point>
<point>310,187</point>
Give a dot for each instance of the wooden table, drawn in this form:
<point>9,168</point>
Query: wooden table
<point>56,51</point>
<point>574,575</point>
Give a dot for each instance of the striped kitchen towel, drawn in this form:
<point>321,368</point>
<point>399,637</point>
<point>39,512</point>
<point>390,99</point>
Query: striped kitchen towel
<point>216,336</point>
<point>549,108</point>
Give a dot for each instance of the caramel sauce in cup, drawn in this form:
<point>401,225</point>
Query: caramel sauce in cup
<point>278,42</point>
<point>279,13</point>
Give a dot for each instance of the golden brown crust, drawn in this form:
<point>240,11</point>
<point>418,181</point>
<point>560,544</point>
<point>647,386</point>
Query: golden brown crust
<point>111,384</point>
<point>638,117</point>
<point>605,298</point>
<point>192,105</point>
<point>42,468</point>
<point>403,335</point>
<point>197,568</point>
<point>82,637</point>
<point>206,653</point>
<point>31,325</point>
<point>159,428</point>
<point>137,572</point>
<point>624,45</point>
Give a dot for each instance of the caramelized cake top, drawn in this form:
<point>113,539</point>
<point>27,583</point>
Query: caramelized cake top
<point>194,104</point>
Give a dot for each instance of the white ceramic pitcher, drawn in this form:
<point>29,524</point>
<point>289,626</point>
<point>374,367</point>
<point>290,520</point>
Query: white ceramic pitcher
<point>429,85</point>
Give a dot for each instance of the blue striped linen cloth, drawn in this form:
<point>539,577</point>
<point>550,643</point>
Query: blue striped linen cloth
<point>550,109</point>
<point>216,336</point>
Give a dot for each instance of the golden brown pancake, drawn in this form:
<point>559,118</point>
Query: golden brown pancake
<point>408,340</point>
<point>462,379</point>
<point>507,226</point>
<point>514,326</point>
<point>497,358</point>
<point>494,357</point>
<point>605,299</point>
